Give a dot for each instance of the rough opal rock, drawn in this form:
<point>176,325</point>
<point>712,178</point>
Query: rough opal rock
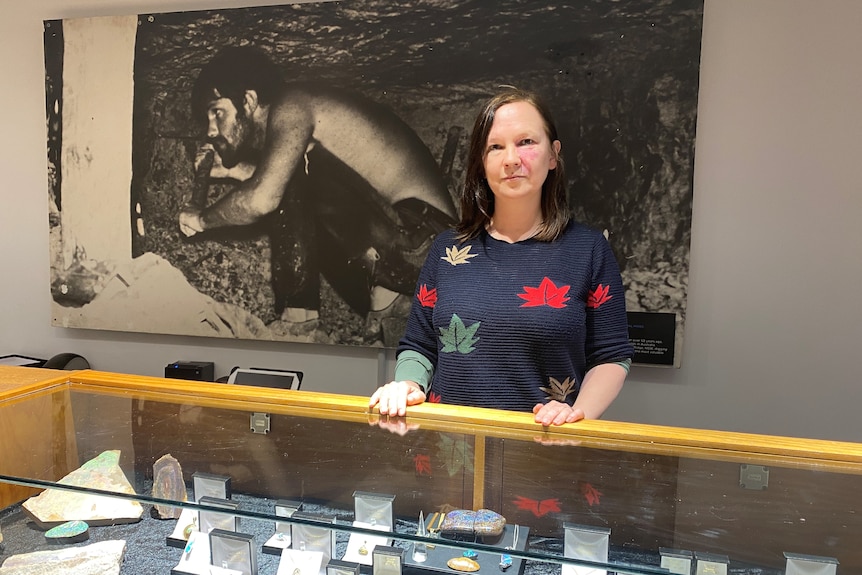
<point>462,564</point>
<point>55,506</point>
<point>68,532</point>
<point>102,558</point>
<point>168,484</point>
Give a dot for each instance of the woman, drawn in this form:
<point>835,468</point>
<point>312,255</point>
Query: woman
<point>517,308</point>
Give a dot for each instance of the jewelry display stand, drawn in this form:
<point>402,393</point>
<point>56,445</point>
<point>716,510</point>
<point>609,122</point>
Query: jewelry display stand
<point>587,543</point>
<point>360,546</point>
<point>281,539</point>
<point>340,567</point>
<point>374,508</point>
<point>195,559</point>
<point>710,564</point>
<point>438,556</point>
<point>387,560</point>
<point>210,485</point>
<point>678,561</point>
<point>810,565</point>
<point>184,527</point>
<point>370,511</point>
<point>232,550</point>
<point>320,538</point>
<point>296,562</point>
<point>211,520</point>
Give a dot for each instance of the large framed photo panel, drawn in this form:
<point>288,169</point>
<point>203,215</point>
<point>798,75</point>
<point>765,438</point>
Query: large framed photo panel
<point>366,166</point>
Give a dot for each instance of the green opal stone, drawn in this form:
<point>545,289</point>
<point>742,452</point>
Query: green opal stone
<point>69,532</point>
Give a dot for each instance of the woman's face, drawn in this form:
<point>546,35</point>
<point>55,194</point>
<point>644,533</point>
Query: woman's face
<point>518,153</point>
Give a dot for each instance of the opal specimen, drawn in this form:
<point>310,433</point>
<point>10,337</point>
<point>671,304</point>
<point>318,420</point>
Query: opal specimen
<point>55,506</point>
<point>68,532</point>
<point>168,484</point>
<point>462,564</point>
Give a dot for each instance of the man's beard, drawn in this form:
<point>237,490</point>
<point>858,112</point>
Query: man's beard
<point>241,149</point>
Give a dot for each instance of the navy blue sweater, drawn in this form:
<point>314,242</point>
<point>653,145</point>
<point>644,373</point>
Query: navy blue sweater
<point>512,325</point>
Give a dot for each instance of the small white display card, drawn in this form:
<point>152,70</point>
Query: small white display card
<point>231,550</point>
<point>387,560</point>
<point>209,485</point>
<point>374,508</point>
<point>588,543</point>
<point>296,562</point>
<point>711,564</point>
<point>810,565</point>
<point>224,520</point>
<point>186,524</point>
<point>196,555</point>
<point>281,539</point>
<point>360,546</point>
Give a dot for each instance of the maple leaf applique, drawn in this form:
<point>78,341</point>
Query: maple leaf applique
<point>427,297</point>
<point>422,464</point>
<point>539,508</point>
<point>598,296</point>
<point>458,337</point>
<point>455,256</point>
<point>592,495</point>
<point>546,294</point>
<point>455,454</point>
<point>434,397</point>
<point>559,390</point>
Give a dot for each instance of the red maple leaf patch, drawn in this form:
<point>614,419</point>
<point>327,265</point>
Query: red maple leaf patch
<point>591,494</point>
<point>546,294</point>
<point>434,397</point>
<point>422,464</point>
<point>598,296</point>
<point>537,508</point>
<point>427,297</point>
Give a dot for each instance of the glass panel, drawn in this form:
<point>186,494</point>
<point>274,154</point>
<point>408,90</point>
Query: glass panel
<point>707,502</point>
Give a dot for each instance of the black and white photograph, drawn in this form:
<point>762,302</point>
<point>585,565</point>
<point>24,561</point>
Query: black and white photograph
<point>337,154</point>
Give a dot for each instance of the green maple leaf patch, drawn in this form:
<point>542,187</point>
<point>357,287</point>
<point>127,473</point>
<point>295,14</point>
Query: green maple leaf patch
<point>456,454</point>
<point>458,337</point>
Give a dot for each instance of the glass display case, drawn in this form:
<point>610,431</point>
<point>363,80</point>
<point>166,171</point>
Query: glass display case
<point>307,473</point>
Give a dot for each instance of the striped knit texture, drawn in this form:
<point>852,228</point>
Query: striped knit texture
<point>501,321</point>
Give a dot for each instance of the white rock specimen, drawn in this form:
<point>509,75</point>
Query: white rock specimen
<point>102,558</point>
<point>55,506</point>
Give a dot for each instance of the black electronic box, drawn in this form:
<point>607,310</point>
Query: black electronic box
<point>196,370</point>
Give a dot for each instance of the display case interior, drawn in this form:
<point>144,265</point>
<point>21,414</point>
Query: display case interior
<point>645,496</point>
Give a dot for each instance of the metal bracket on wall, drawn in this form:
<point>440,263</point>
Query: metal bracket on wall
<point>260,422</point>
<point>753,476</point>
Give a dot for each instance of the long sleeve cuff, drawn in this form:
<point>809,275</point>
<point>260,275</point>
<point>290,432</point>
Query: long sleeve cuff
<point>413,366</point>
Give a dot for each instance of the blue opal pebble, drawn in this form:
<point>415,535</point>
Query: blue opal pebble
<point>67,530</point>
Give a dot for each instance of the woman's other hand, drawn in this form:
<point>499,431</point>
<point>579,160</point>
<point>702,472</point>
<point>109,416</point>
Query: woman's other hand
<point>394,397</point>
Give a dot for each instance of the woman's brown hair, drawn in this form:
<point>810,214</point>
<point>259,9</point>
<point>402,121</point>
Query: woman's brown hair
<point>477,199</point>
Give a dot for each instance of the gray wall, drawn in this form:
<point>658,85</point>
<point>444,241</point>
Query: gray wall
<point>776,258</point>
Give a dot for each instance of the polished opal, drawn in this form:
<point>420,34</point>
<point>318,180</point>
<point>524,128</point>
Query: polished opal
<point>462,564</point>
<point>71,531</point>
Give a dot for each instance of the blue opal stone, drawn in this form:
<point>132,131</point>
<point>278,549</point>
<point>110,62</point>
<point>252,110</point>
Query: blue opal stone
<point>69,532</point>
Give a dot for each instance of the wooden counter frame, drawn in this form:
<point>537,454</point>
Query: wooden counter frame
<point>708,451</point>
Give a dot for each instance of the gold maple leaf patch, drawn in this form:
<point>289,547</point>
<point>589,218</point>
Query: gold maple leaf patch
<point>559,390</point>
<point>455,256</point>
